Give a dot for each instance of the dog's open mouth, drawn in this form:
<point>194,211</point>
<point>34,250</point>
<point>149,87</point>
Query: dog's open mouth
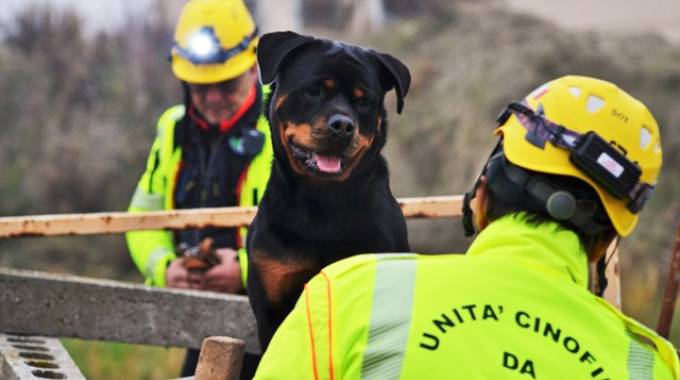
<point>324,163</point>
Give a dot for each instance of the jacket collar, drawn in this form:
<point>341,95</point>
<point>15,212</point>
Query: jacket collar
<point>549,245</point>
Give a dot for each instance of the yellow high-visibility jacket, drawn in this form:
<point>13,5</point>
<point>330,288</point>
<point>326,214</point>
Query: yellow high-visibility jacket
<point>515,307</point>
<point>153,250</point>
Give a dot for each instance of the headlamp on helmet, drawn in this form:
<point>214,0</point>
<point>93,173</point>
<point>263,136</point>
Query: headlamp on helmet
<point>203,47</point>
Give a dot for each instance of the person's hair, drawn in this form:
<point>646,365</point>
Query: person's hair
<point>526,208</point>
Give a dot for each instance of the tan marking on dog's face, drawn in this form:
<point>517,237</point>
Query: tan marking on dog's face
<point>361,145</point>
<point>305,136</point>
<point>282,278</point>
<point>280,100</point>
<point>299,134</point>
<point>329,84</point>
<point>358,93</point>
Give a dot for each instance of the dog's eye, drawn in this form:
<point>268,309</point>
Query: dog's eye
<point>314,92</point>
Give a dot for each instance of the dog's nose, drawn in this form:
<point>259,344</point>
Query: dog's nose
<point>341,125</point>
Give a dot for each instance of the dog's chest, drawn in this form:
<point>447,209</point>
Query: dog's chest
<point>330,234</point>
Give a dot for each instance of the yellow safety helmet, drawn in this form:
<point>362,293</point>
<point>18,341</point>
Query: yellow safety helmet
<point>592,130</point>
<point>215,40</point>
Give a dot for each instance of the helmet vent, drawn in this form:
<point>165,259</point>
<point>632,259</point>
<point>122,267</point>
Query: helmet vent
<point>645,137</point>
<point>575,91</point>
<point>594,103</point>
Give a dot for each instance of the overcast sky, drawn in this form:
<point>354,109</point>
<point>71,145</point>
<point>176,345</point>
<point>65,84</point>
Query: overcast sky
<point>103,13</point>
<point>99,14</point>
<point>630,16</point>
<point>613,15</point>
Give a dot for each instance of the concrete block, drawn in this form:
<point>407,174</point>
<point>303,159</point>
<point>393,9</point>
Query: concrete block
<point>35,357</point>
<point>66,306</point>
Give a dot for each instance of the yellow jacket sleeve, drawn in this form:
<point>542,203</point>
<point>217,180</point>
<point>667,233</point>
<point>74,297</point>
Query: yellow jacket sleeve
<point>152,250</point>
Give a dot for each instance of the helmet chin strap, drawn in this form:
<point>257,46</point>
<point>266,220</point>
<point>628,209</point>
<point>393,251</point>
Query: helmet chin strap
<point>468,215</point>
<point>601,268</point>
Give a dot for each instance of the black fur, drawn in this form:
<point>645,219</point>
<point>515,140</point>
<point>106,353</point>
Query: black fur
<point>327,104</point>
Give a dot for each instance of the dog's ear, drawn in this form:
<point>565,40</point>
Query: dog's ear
<point>395,75</point>
<point>273,49</point>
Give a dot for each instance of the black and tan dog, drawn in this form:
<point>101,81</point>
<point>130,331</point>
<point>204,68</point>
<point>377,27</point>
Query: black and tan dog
<point>328,197</point>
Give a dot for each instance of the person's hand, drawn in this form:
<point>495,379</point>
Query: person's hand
<point>224,277</point>
<point>177,276</point>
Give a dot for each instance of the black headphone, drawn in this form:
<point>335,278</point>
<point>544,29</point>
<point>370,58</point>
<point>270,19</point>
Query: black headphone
<point>514,184</point>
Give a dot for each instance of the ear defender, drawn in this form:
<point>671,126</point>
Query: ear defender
<point>561,205</point>
<point>537,193</point>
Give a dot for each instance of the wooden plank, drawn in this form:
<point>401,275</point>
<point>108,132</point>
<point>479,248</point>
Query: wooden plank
<point>67,306</point>
<point>117,222</point>
<point>432,207</point>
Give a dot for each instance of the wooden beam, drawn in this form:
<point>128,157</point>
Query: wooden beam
<point>67,306</point>
<point>432,207</point>
<point>117,222</point>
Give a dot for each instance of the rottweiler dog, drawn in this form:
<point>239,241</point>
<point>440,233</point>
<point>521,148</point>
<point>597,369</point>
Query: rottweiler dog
<point>328,196</point>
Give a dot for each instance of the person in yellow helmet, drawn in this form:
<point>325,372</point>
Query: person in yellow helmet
<point>575,163</point>
<point>212,151</point>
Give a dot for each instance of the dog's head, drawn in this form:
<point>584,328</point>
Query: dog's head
<point>327,112</point>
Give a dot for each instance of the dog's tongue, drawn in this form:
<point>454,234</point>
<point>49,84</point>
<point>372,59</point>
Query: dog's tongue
<point>327,164</point>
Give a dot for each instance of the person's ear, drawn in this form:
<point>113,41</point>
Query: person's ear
<point>480,204</point>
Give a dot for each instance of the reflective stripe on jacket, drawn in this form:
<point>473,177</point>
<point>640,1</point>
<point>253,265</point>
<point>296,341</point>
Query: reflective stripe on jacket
<point>515,307</point>
<point>152,250</point>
